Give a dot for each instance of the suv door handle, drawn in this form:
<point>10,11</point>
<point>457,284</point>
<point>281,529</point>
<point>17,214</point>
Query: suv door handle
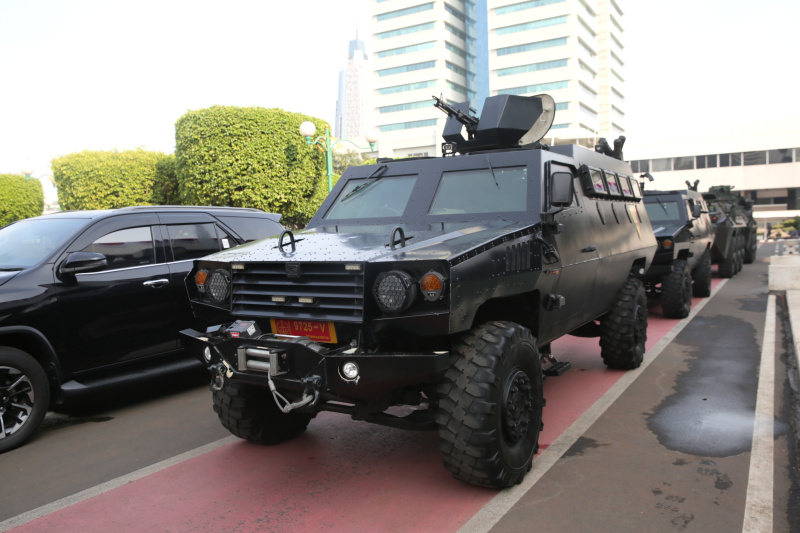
<point>591,248</point>
<point>156,283</point>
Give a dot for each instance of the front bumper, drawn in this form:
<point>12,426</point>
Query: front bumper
<point>291,363</point>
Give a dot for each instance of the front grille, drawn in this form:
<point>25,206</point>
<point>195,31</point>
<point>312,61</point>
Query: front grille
<point>265,290</point>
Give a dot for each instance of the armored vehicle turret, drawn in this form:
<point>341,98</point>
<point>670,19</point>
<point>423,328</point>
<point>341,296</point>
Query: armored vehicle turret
<point>681,267</point>
<point>437,284</point>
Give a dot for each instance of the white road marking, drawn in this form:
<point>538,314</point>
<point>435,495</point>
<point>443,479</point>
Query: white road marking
<point>501,504</point>
<point>758,505</point>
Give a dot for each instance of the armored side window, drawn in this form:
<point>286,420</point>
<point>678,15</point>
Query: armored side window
<point>613,183</point>
<point>598,184</point>
<point>625,184</point>
<point>637,190</point>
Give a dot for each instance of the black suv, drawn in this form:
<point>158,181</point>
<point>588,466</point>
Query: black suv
<point>433,288</point>
<point>90,298</point>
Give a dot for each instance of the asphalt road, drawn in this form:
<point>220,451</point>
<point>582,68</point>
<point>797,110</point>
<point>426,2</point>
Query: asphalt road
<point>668,447</point>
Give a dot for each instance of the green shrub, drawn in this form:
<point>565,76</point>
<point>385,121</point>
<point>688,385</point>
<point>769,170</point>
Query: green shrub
<point>165,187</point>
<point>19,198</point>
<point>105,180</point>
<point>250,157</point>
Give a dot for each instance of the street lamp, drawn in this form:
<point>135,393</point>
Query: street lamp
<point>327,143</point>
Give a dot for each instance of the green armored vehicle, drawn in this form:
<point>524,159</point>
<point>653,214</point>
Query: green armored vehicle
<point>735,236</point>
<point>434,286</point>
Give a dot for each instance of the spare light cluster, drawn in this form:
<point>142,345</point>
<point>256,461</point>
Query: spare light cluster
<point>214,284</point>
<point>395,291</point>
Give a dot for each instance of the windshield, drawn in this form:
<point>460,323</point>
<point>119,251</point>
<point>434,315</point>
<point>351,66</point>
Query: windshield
<point>371,198</point>
<point>27,242</point>
<point>661,210</point>
<point>499,190</point>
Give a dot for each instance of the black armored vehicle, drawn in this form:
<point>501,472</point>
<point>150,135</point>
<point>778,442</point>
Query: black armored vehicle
<point>681,267</point>
<point>425,293</point>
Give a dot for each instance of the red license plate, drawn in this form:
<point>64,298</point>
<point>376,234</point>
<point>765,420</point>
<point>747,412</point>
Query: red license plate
<point>316,331</point>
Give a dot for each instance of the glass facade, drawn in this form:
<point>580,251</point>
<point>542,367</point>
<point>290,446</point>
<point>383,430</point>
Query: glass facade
<point>736,159</point>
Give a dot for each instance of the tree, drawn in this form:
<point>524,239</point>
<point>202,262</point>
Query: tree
<point>343,160</point>
<point>250,157</point>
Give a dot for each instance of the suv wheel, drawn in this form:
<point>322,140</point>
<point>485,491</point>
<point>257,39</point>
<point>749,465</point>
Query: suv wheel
<point>24,397</point>
<point>623,330</point>
<point>490,405</point>
<point>676,291</point>
<point>250,412</point>
<point>751,249</point>
<point>701,276</point>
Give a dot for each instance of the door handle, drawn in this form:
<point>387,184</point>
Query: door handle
<point>156,283</point>
<point>591,248</point>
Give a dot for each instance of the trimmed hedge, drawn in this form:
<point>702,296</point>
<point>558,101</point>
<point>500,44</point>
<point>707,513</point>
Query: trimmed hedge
<point>250,157</point>
<point>105,180</point>
<point>165,187</point>
<point>19,198</point>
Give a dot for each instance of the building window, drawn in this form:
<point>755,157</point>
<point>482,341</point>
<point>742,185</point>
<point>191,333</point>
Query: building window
<point>405,31</point>
<point>406,49</point>
<point>408,125</point>
<point>711,161</point>
<point>456,87</point>
<point>407,87</point>
<point>755,158</point>
<point>562,106</point>
<point>406,68</point>
<point>404,12</point>
<point>635,166</point>
<point>699,161</point>
<point>644,165</point>
<point>531,46</point>
<point>405,107</point>
<point>455,68</point>
<point>683,163</point>
<point>455,49</point>
<point>724,160</point>
<point>455,31</point>
<point>780,156</point>
<point>532,25</point>
<point>797,154</point>
<point>662,165</point>
<point>525,5</point>
<point>545,65</point>
<point>536,88</point>
<point>559,126</point>
<point>736,159</point>
<point>455,12</point>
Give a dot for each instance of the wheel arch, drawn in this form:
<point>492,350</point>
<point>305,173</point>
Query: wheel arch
<point>36,344</point>
<point>521,308</point>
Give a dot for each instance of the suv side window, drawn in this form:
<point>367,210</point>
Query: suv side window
<point>126,248</point>
<point>190,241</point>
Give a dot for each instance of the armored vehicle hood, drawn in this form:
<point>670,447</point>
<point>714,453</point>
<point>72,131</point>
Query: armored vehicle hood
<point>372,243</point>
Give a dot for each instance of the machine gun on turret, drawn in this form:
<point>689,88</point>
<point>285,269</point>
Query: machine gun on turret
<point>471,122</point>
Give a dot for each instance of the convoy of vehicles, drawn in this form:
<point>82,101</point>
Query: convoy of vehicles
<point>89,299</point>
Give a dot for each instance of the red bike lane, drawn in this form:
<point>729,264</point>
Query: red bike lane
<point>340,475</point>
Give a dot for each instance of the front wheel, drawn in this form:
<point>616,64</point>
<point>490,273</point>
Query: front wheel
<point>250,413</point>
<point>623,330</point>
<point>24,397</point>
<point>701,286</point>
<point>490,405</point>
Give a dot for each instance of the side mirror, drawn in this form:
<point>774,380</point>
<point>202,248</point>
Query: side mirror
<point>562,189</point>
<point>697,210</point>
<point>78,262</point>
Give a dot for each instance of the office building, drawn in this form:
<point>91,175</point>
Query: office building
<point>470,49</point>
<point>350,121</point>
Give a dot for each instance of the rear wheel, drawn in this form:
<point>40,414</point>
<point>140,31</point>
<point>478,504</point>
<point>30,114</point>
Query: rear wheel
<point>490,405</point>
<point>751,249</point>
<point>676,291</point>
<point>727,268</point>
<point>250,412</point>
<point>24,397</point>
<point>623,330</point>
<point>701,276</point>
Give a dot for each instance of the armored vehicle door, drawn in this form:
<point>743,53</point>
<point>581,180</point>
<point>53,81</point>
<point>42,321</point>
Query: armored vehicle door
<point>575,242</point>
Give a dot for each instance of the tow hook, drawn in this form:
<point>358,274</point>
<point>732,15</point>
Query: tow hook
<point>217,376</point>
<point>310,394</point>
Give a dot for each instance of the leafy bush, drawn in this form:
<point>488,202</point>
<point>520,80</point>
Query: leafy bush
<point>165,187</point>
<point>250,157</point>
<point>105,180</point>
<point>19,198</point>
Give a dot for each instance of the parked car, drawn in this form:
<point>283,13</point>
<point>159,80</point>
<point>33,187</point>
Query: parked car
<point>91,298</point>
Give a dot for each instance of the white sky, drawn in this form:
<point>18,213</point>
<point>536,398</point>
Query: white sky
<point>116,74</point>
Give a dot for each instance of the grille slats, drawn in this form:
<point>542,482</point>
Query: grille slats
<point>338,294</point>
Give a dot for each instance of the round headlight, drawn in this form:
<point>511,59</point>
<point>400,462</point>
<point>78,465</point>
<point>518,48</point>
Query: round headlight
<point>218,286</point>
<point>432,286</point>
<point>350,370</point>
<point>394,291</point>
<point>207,354</point>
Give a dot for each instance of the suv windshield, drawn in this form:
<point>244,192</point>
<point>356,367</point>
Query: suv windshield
<point>27,242</point>
<point>662,210</point>
<point>499,190</point>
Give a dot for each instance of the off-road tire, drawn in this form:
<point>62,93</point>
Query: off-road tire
<point>623,330</point>
<point>24,397</point>
<point>676,290</point>
<point>250,413</point>
<point>701,277</point>
<point>751,249</point>
<point>490,404</point>
<point>740,253</point>
<point>727,268</point>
